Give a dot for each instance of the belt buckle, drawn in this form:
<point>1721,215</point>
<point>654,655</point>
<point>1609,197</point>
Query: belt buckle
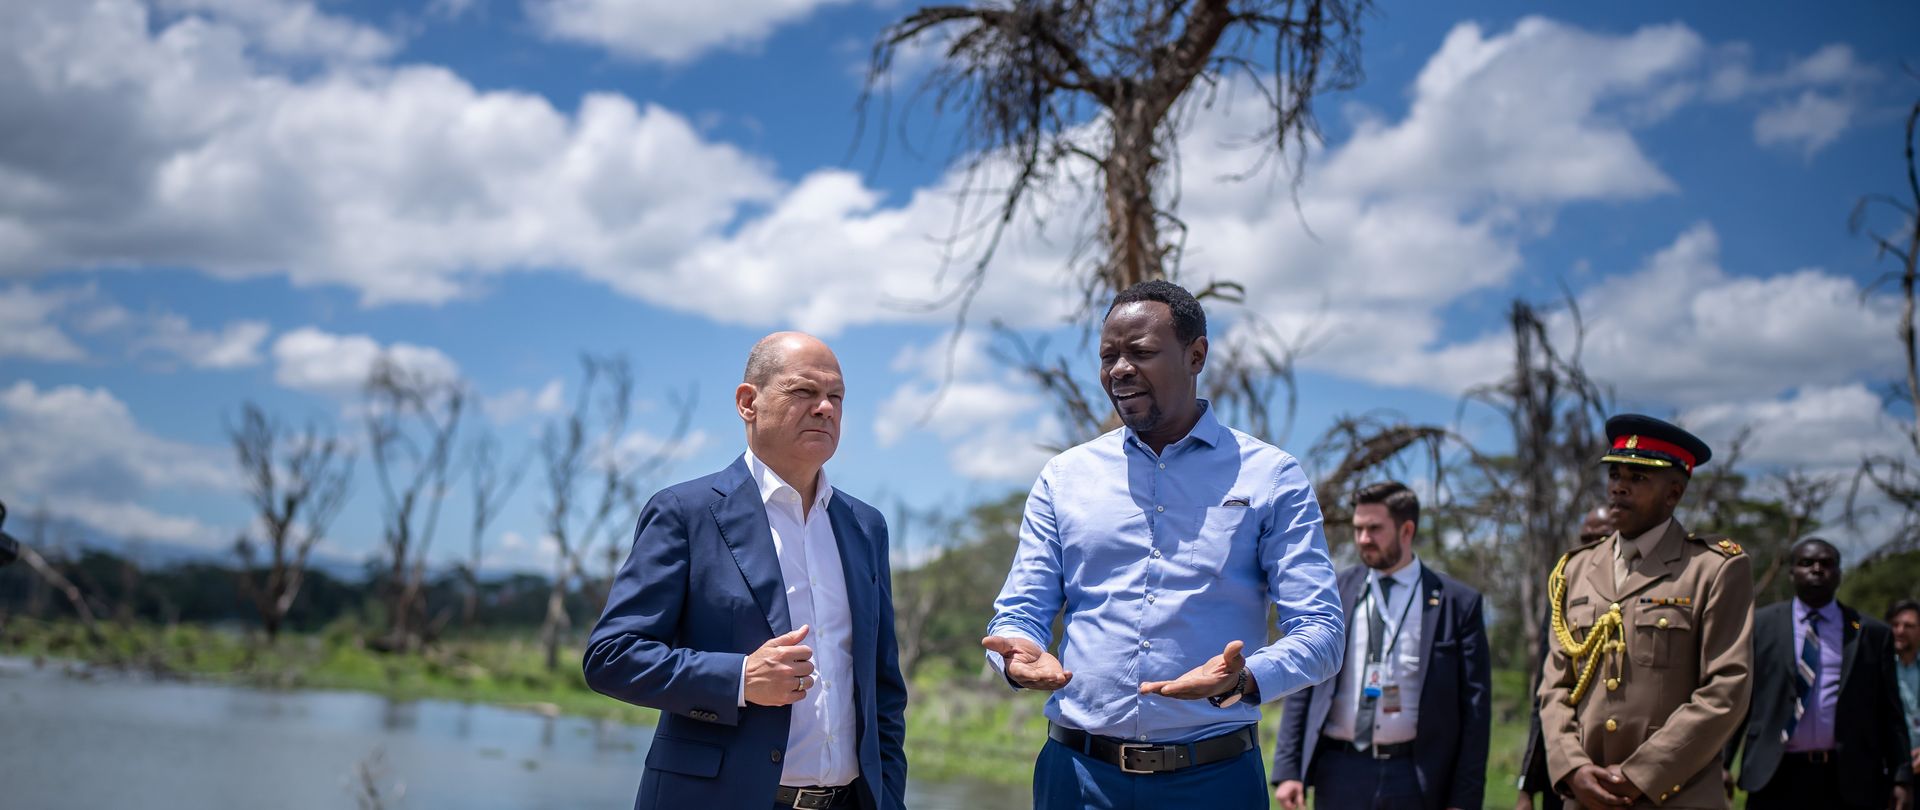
<point>1819,757</point>
<point>802,798</point>
<point>1378,752</point>
<point>1155,753</point>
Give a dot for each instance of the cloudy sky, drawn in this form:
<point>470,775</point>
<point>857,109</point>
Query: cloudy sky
<point>205,202</point>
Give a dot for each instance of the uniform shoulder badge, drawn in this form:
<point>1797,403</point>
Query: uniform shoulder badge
<point>1720,544</point>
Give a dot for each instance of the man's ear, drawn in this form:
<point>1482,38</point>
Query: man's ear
<point>1676,487</point>
<point>743,396</point>
<point>1407,531</point>
<point>1197,354</point>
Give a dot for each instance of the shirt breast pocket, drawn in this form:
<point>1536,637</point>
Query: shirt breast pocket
<point>1219,530</point>
<point>1662,636</point>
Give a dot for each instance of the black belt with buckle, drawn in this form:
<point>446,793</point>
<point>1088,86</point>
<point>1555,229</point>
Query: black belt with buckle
<point>1810,757</point>
<point>812,798</point>
<point>1377,751</point>
<point>1155,757</point>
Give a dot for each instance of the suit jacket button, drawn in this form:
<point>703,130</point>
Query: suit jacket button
<point>776,755</point>
<point>1612,726</point>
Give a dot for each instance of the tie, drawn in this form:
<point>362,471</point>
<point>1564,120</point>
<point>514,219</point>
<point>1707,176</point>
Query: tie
<point>1376,638</point>
<point>1806,675</point>
<point>1623,565</point>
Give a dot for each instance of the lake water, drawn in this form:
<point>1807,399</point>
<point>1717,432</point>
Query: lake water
<point>118,741</point>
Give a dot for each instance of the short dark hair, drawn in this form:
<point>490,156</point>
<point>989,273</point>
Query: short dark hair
<point>1901,606</point>
<point>1400,501</point>
<point>1794,552</point>
<point>1189,320</point>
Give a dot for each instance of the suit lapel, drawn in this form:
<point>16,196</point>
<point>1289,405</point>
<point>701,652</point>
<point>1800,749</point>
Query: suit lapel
<point>742,518</point>
<point>1849,642</point>
<point>1599,570</point>
<point>1350,589</point>
<point>1429,614</point>
<point>862,581</point>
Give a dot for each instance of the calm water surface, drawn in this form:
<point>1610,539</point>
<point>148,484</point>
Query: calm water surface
<point>115,741</point>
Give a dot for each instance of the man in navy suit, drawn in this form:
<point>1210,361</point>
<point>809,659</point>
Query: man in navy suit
<point>756,613</point>
<point>1405,724</point>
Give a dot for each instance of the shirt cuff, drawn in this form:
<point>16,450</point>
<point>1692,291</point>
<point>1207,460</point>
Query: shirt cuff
<point>742,702</point>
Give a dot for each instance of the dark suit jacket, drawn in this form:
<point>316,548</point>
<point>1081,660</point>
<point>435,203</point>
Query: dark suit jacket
<point>1456,710</point>
<point>700,591</point>
<point>1869,732</point>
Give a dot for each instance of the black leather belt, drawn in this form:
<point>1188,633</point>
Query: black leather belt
<point>813,798</point>
<point>1808,757</point>
<point>1135,757</point>
<point>1387,751</point>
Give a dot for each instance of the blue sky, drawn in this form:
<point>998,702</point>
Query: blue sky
<point>204,202</point>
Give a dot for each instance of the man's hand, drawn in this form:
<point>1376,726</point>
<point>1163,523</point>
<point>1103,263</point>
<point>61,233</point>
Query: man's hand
<point>1914,755</point>
<point>1595,787</point>
<point>1726,781</point>
<point>1898,801</point>
<point>1291,794</point>
<point>781,671</point>
<point>1524,802</point>
<point>1214,677</point>
<point>1026,664</point>
<point>1622,785</point>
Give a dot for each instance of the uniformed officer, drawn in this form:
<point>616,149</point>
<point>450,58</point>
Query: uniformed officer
<point>1647,677</point>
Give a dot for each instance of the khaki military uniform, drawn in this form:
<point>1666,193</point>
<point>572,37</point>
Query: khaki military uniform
<point>1664,706</point>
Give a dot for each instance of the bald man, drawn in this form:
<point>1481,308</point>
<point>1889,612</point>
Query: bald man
<point>756,613</point>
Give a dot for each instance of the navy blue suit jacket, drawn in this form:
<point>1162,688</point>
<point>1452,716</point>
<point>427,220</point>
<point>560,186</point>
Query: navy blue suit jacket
<point>1456,709</point>
<point>701,590</point>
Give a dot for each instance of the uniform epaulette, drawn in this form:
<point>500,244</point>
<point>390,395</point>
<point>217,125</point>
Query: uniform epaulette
<point>1717,543</point>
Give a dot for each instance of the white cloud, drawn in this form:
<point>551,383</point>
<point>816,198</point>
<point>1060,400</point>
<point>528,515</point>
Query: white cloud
<point>1810,122</point>
<point>1829,427</point>
<point>27,328</point>
<point>993,423</point>
<point>669,32</point>
<point>1705,337</point>
<point>292,28</point>
<point>235,346</point>
<point>309,359</point>
<point>79,451</point>
<point>135,143</point>
<point>519,403</point>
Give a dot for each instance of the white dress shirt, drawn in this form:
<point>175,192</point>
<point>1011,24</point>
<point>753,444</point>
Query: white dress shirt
<point>1402,664</point>
<point>820,738</point>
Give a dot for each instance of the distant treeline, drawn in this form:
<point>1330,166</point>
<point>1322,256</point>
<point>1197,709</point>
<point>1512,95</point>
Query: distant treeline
<point>116,588</point>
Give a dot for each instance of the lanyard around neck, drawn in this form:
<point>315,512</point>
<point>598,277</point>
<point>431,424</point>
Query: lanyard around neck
<point>1376,598</point>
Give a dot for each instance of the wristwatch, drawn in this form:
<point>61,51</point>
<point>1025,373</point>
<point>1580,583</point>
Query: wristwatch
<point>1233,695</point>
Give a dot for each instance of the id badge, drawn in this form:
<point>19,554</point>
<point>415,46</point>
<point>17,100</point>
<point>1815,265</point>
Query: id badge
<point>1390,698</point>
<point>1370,680</point>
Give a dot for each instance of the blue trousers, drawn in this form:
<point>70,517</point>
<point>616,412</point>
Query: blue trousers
<point>1065,779</point>
<point>1344,780</point>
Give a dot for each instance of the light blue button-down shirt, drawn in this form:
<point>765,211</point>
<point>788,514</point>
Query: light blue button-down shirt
<point>1158,562</point>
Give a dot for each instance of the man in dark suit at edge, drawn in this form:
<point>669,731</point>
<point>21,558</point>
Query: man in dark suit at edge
<point>1825,728</point>
<point>1406,722</point>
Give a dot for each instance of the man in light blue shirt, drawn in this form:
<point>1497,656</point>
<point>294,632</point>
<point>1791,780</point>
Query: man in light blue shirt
<point>1163,542</point>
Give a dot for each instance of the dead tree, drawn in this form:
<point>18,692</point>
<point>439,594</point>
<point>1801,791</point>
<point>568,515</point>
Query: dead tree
<point>1896,475</point>
<point>297,482</point>
<point>582,451</point>
<point>490,486</point>
<point>1052,93</point>
<point>1555,412</point>
<point>1057,86</point>
<point>412,420</point>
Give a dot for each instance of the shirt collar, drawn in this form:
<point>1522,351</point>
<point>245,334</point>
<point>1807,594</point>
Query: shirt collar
<point>1830,614</point>
<point>1643,543</point>
<point>771,484</point>
<point>1408,576</point>
<point>1207,430</point>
